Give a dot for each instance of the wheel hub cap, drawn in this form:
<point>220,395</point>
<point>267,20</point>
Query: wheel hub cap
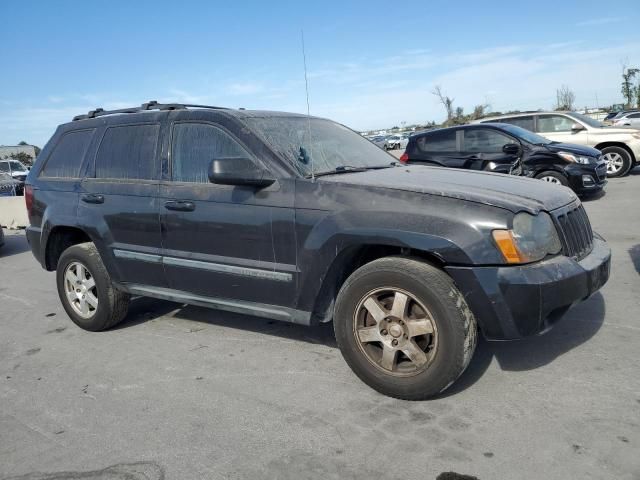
<point>80,290</point>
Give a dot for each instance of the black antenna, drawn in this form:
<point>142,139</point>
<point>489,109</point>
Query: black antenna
<point>306,86</point>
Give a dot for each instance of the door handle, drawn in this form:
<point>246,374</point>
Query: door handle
<point>180,205</point>
<point>92,198</point>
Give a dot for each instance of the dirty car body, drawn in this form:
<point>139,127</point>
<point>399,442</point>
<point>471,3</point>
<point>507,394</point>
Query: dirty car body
<point>284,249</point>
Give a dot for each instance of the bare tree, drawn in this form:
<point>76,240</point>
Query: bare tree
<point>480,111</point>
<point>447,102</point>
<point>564,98</point>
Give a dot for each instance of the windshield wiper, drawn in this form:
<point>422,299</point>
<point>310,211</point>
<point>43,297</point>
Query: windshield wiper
<point>349,169</point>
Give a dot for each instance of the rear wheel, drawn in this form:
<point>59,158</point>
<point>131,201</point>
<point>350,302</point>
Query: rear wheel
<point>404,328</point>
<point>86,291</point>
<point>618,161</point>
<point>553,177</point>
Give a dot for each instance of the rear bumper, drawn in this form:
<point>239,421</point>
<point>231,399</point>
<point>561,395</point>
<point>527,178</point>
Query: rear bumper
<point>33,238</point>
<point>513,302</point>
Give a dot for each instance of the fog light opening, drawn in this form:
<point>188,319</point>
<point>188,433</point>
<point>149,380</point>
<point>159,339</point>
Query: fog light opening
<point>587,180</point>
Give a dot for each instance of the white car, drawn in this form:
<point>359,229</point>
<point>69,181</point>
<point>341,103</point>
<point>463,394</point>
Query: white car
<point>393,142</point>
<point>620,146</point>
<point>15,168</point>
<point>629,119</point>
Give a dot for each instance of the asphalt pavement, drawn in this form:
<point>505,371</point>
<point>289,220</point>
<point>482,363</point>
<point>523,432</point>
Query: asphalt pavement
<point>180,392</point>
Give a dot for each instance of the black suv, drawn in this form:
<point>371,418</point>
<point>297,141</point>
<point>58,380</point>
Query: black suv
<point>504,148</point>
<point>301,219</point>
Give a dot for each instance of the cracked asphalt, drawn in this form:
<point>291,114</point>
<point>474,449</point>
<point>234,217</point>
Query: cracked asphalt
<point>182,392</point>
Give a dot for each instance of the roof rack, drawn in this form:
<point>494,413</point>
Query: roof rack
<point>150,105</point>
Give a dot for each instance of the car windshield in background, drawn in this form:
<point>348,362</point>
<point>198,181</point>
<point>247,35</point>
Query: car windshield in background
<point>588,120</point>
<point>322,144</point>
<point>524,134</point>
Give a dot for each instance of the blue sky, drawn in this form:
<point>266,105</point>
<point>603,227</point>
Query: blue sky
<point>370,64</point>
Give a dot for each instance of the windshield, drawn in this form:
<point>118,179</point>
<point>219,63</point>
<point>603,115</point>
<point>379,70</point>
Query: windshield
<point>588,120</point>
<point>526,135</point>
<point>17,166</point>
<point>325,145</point>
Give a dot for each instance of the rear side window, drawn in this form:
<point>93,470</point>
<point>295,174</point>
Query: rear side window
<point>195,145</point>
<point>128,152</point>
<point>634,115</point>
<point>437,142</point>
<point>522,122</point>
<point>66,158</point>
<point>485,141</point>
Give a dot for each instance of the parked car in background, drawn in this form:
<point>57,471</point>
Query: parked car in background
<point>619,146</point>
<point>245,211</point>
<point>505,148</point>
<point>9,186</point>
<point>15,168</point>
<point>380,141</point>
<point>395,142</point>
<point>628,119</point>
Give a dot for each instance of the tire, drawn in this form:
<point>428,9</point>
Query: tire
<point>82,278</point>
<point>618,160</point>
<point>433,304</point>
<point>553,177</point>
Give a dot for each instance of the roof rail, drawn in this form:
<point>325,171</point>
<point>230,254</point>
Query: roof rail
<point>150,105</point>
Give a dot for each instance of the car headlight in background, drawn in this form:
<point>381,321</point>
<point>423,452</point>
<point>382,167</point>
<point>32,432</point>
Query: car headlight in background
<point>570,157</point>
<point>532,238</point>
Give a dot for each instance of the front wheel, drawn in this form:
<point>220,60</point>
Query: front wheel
<point>618,161</point>
<point>404,328</point>
<point>86,291</point>
<point>555,178</point>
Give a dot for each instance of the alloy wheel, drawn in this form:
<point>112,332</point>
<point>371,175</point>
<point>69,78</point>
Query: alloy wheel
<point>551,179</point>
<point>80,289</point>
<point>615,162</point>
<point>395,332</point>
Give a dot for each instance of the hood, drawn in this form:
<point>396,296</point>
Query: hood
<point>573,148</point>
<point>505,191</point>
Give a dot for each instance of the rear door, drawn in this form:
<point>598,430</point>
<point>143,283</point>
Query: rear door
<point>438,148</point>
<point>220,241</point>
<point>119,199</point>
<point>483,149</point>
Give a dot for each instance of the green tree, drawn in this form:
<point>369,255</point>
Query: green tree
<point>629,90</point>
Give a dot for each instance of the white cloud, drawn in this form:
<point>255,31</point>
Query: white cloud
<point>594,22</point>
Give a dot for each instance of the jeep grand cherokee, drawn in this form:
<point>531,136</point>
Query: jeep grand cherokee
<point>302,220</point>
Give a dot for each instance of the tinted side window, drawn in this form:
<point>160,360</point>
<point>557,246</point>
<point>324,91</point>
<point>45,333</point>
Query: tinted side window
<point>195,145</point>
<point>438,142</point>
<point>4,166</point>
<point>522,122</point>
<point>554,123</point>
<point>66,158</point>
<point>634,115</point>
<point>485,141</point>
<point>128,151</point>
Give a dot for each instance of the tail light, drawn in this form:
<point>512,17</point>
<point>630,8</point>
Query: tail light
<point>28,198</point>
<point>404,158</point>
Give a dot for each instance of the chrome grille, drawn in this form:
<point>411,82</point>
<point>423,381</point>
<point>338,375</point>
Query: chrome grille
<point>575,231</point>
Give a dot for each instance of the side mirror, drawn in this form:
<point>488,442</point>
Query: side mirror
<point>239,171</point>
<point>511,149</point>
<point>576,127</point>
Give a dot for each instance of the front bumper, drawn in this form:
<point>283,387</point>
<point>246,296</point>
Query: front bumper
<point>511,302</point>
<point>586,178</point>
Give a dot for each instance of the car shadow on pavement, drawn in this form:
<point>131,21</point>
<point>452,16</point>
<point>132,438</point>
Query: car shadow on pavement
<point>579,325</point>
<point>14,244</point>
<point>634,253</point>
<point>594,196</point>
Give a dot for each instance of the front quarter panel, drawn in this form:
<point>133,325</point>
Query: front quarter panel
<point>332,218</point>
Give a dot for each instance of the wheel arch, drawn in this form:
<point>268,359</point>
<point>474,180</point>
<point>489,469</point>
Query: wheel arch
<point>348,261</point>
<point>624,146</point>
<point>59,238</point>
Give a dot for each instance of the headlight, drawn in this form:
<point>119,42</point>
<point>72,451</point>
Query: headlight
<point>532,238</point>
<point>570,157</point>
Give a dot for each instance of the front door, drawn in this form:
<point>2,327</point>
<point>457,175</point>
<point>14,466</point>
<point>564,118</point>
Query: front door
<point>483,150</point>
<point>222,241</point>
<point>558,128</point>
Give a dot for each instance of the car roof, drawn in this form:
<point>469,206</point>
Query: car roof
<point>522,114</point>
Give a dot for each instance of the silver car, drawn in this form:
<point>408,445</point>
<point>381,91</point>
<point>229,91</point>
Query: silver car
<point>628,119</point>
